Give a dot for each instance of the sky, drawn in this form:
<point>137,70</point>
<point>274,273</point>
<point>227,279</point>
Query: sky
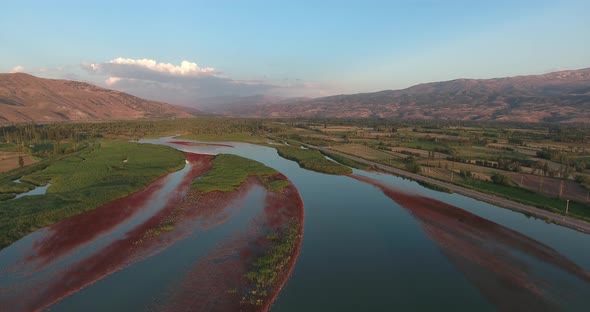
<point>184,51</point>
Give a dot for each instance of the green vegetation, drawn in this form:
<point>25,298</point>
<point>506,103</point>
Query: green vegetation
<point>500,179</point>
<point>576,209</point>
<point>434,187</point>
<point>157,231</point>
<point>346,161</point>
<point>228,172</point>
<point>312,160</point>
<point>464,151</point>
<point>276,185</point>
<point>4,197</point>
<point>8,147</point>
<point>16,188</point>
<point>269,267</point>
<point>411,165</point>
<point>83,182</point>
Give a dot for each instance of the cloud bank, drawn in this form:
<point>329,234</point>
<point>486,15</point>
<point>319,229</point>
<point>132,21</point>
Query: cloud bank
<point>17,69</point>
<point>184,83</point>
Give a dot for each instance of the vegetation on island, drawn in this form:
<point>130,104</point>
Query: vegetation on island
<point>271,265</point>
<point>228,172</point>
<point>312,160</point>
<point>83,181</point>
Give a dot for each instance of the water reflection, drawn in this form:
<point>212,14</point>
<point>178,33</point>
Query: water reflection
<point>511,270</point>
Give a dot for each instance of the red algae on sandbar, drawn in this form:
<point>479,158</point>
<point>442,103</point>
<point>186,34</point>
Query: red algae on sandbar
<point>54,280</point>
<point>487,253</point>
<point>218,282</point>
<point>61,272</point>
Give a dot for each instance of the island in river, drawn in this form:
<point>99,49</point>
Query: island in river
<point>243,271</point>
<point>225,232</point>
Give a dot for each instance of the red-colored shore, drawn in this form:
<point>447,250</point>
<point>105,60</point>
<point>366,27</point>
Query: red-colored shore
<point>183,214</point>
<point>298,214</point>
<point>199,144</point>
<point>486,252</point>
<point>217,282</point>
<point>59,282</point>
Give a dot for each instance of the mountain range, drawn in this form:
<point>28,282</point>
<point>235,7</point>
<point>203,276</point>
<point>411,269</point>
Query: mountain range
<point>26,98</point>
<point>562,96</point>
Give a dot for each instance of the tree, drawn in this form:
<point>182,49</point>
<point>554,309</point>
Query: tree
<point>412,165</point>
<point>500,179</point>
<point>21,161</point>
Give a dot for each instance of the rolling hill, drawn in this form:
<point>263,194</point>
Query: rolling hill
<point>562,96</point>
<point>26,98</point>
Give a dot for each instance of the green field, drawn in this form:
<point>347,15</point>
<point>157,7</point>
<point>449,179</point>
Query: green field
<point>347,161</point>
<point>577,210</point>
<point>8,147</point>
<point>85,181</point>
<point>312,160</point>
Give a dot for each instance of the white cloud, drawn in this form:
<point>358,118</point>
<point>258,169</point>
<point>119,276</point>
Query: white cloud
<point>112,80</point>
<point>181,83</point>
<point>184,83</point>
<point>17,69</point>
<point>185,69</point>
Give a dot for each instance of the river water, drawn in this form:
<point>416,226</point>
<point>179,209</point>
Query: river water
<point>363,251</point>
<point>374,242</point>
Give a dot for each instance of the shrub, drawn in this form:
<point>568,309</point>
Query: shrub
<point>500,179</point>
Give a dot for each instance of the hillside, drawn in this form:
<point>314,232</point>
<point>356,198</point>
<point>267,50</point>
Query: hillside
<point>26,98</point>
<point>555,97</point>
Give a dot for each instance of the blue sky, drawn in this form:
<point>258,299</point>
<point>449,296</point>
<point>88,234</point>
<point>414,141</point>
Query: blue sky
<point>290,48</point>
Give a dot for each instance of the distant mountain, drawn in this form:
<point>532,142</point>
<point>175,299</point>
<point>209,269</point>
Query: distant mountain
<point>26,98</point>
<point>555,97</point>
<point>242,105</point>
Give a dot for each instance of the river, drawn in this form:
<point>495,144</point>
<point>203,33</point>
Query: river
<point>371,242</point>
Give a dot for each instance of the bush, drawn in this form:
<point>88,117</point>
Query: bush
<point>500,179</point>
<point>413,167</point>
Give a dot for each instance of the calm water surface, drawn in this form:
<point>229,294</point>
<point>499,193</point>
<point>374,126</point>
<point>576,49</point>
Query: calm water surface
<point>362,251</point>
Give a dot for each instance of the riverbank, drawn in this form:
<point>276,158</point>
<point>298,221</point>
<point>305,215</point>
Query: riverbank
<point>83,182</point>
<point>572,223</point>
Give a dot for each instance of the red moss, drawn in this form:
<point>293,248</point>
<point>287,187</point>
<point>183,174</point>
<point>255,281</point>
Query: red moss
<point>217,282</point>
<point>210,279</point>
<point>293,211</point>
<point>79,230</point>
<point>485,251</point>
